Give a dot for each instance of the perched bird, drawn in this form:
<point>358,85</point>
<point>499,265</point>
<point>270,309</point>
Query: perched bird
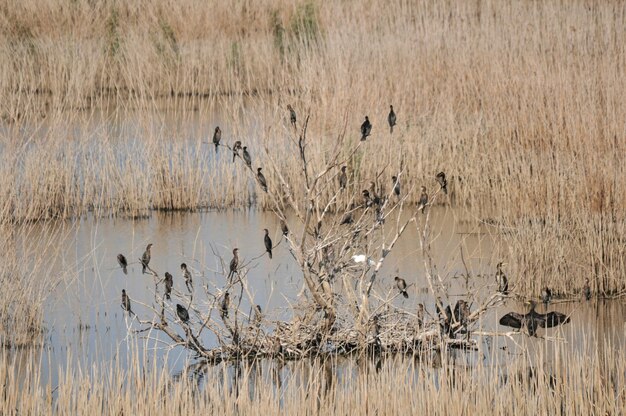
<point>445,317</point>
<point>217,136</point>
<point>183,313</point>
<point>546,295</point>
<point>343,178</point>
<point>501,280</point>
<point>376,199</point>
<point>401,285</point>
<point>258,315</point>
<point>246,157</point>
<point>587,290</point>
<point>367,199</point>
<point>126,303</point>
<point>292,115</point>
<point>423,200</point>
<point>284,228</point>
<point>145,259</point>
<point>121,260</point>
<point>420,315</point>
<point>347,219</point>
<point>261,179</point>
<point>533,320</point>
<point>362,258</point>
<point>268,242</point>
<point>366,128</point>
<point>461,312</point>
<point>236,149</point>
<point>234,263</point>
<point>396,185</point>
<point>391,118</point>
<point>225,305</point>
<point>169,284</point>
<point>187,276</point>
<point>443,183</point>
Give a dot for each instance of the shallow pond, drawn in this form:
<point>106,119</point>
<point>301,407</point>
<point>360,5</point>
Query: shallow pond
<point>84,319</point>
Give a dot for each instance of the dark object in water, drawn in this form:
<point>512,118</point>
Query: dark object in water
<point>533,320</point>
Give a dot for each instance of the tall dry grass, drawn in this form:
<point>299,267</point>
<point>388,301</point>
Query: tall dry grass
<point>520,103</point>
<point>571,384</point>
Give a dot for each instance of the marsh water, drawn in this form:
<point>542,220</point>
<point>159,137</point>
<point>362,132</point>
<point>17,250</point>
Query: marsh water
<point>85,325</point>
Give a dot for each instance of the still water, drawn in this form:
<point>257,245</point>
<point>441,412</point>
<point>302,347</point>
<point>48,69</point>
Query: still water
<point>85,323</point>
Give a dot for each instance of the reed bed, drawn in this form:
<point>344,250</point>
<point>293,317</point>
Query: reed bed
<point>567,383</point>
<point>519,103</point>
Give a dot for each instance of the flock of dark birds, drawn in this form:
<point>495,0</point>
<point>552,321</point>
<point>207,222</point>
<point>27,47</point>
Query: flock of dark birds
<point>451,320</point>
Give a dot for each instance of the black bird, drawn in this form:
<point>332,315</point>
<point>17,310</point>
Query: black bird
<point>268,242</point>
<point>169,284</point>
<point>187,276</point>
<point>261,179</point>
<point>258,315</point>
<point>246,157</point>
<point>423,200</point>
<point>401,285</point>
<point>145,259</point>
<point>533,320</point>
<point>445,317</point>
<point>236,148</point>
<point>225,305</point>
<point>217,136</point>
<point>343,178</point>
<point>391,118</point>
<point>126,303</point>
<point>587,290</point>
<point>284,228</point>
<point>347,219</point>
<point>396,185</point>
<point>441,178</point>
<point>122,262</point>
<point>546,295</point>
<point>234,263</point>
<point>292,115</point>
<point>461,312</point>
<point>501,280</point>
<point>376,199</point>
<point>366,128</point>
<point>183,313</point>
<point>367,200</point>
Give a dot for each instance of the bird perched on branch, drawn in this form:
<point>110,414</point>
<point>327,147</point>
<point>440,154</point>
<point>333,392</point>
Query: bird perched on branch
<point>366,128</point>
<point>501,280</point>
<point>121,260</point>
<point>423,200</point>
<point>187,276</point>
<point>183,313</point>
<point>126,303</point>
<point>367,199</point>
<point>284,228</point>
<point>461,312</point>
<point>225,305</point>
<point>169,284</point>
<point>443,182</point>
<point>246,157</point>
<point>234,263</point>
<point>396,185</point>
<point>268,242</point>
<point>391,118</point>
<point>401,285</point>
<point>145,259</point>
<point>236,149</point>
<point>292,115</point>
<point>217,136</point>
<point>261,179</point>
<point>533,320</point>
<point>343,178</point>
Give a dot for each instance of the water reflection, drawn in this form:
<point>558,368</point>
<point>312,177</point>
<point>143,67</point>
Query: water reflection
<point>85,321</point>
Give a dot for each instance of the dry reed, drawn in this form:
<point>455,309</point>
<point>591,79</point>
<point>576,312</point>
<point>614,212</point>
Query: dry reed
<point>520,103</point>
